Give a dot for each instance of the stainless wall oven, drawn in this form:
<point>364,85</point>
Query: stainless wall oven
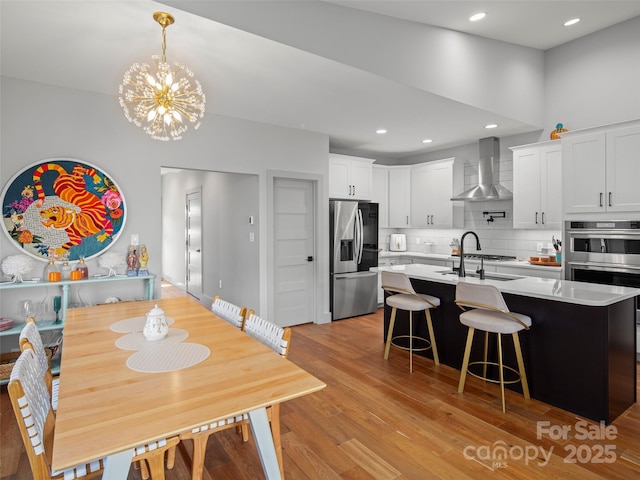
<point>606,253</point>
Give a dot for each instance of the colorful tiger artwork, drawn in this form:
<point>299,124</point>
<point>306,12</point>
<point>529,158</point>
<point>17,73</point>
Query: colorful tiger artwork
<point>71,187</point>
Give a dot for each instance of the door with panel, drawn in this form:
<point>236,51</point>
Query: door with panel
<point>194,243</point>
<point>294,252</point>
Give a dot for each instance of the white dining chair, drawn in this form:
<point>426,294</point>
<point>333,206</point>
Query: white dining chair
<point>31,405</point>
<point>30,338</point>
<point>233,314</point>
<point>279,340</point>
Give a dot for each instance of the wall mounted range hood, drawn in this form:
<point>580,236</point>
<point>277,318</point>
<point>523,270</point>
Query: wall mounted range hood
<point>488,187</point>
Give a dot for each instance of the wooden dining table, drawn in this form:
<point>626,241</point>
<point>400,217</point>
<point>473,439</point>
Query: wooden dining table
<point>106,409</point>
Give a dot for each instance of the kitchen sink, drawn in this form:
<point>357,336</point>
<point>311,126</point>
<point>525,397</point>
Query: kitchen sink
<point>487,276</point>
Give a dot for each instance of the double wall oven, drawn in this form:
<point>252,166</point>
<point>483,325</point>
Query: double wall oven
<point>604,252</point>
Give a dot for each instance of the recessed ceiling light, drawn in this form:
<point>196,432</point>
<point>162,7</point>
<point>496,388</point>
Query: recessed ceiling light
<point>477,16</point>
<point>380,131</point>
<point>573,21</point>
<point>427,140</point>
<point>491,125</point>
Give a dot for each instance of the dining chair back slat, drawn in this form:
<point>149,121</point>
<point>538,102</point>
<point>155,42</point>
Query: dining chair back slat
<point>268,333</point>
<point>233,314</point>
<point>30,338</point>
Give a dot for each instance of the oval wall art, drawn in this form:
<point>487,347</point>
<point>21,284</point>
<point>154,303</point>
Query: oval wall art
<point>62,209</point>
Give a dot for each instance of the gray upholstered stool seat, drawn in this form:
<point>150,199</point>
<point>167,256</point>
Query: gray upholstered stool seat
<point>490,314</point>
<point>403,297</point>
<point>404,301</point>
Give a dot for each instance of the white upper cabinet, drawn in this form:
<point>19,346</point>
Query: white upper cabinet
<point>350,177</point>
<point>380,193</point>
<point>601,168</point>
<point>537,186</point>
<point>431,192</point>
<point>400,197</point>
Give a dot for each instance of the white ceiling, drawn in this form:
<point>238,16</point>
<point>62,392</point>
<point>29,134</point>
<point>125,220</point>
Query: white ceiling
<point>88,45</point>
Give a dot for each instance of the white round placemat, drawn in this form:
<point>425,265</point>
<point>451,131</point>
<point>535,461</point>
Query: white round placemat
<point>134,324</point>
<point>137,340</point>
<point>167,357</point>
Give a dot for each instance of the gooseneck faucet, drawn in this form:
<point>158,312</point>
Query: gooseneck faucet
<point>461,272</point>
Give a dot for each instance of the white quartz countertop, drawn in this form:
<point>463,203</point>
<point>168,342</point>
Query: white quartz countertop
<point>580,293</point>
<point>467,261</point>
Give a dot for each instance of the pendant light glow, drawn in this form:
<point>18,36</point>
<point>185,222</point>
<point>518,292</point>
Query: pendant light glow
<point>163,103</point>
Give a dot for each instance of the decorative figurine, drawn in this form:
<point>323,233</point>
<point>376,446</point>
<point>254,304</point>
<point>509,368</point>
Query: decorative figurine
<point>143,260</point>
<point>132,262</point>
<point>555,134</point>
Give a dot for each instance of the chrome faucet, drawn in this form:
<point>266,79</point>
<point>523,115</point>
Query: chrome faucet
<point>461,272</point>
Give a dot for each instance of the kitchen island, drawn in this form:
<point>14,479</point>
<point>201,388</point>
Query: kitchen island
<point>580,353</point>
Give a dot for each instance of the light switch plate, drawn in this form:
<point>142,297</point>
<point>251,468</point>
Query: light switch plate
<point>135,240</point>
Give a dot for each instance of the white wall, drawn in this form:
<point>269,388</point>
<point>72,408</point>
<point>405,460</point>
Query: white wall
<point>594,80</point>
<point>39,121</point>
<point>228,257</point>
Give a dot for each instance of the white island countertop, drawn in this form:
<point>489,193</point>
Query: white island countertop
<point>580,293</point>
<point>518,263</point>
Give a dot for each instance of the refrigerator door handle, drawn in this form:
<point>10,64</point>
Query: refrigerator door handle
<point>359,236</point>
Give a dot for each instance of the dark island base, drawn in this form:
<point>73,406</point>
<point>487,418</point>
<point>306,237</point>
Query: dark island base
<point>578,358</point>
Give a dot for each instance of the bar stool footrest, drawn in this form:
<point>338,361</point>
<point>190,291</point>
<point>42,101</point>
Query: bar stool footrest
<point>506,369</point>
<point>425,343</point>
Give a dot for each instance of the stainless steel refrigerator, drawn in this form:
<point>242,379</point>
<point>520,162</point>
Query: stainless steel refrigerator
<point>354,250</point>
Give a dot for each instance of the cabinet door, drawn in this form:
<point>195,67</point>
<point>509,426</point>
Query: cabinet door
<point>583,173</point>
<point>431,191</point>
<point>526,188</point>
<point>399,197</point>
<point>441,187</point>
<point>339,171</point>
<point>360,179</point>
<point>421,197</point>
<point>550,187</point>
<point>623,170</point>
<point>380,193</point>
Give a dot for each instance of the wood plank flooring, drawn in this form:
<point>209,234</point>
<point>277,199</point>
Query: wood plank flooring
<point>376,421</point>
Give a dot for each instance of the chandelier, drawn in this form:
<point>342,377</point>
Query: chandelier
<point>165,102</point>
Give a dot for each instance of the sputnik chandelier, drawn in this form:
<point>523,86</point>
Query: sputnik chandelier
<point>162,103</point>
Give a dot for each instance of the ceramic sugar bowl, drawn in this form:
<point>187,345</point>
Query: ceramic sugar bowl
<point>156,327</point>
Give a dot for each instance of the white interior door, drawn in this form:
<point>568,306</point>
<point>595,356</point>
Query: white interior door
<point>294,217</point>
<point>194,243</point>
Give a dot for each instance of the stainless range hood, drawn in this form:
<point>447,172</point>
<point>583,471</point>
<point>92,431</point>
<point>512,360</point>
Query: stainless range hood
<point>488,187</point>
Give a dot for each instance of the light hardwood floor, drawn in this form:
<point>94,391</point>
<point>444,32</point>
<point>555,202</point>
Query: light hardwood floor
<point>375,420</point>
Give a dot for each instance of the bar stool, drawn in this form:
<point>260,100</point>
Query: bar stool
<point>404,297</point>
<point>490,314</point>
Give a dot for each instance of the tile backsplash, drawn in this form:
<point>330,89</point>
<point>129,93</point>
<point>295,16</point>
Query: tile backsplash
<point>497,237</point>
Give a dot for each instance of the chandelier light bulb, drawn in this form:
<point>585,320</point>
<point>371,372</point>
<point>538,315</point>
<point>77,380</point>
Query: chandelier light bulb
<point>159,102</point>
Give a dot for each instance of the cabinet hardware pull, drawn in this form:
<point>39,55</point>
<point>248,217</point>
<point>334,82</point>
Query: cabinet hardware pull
<point>536,218</point>
<point>407,219</point>
<point>354,190</point>
<point>432,220</point>
<point>610,200</point>
<point>601,199</point>
<point>542,218</point>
